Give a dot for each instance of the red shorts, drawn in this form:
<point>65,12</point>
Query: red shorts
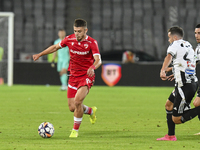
<point>74,83</point>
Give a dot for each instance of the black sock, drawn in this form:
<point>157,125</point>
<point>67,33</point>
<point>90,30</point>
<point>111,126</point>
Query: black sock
<point>190,114</point>
<point>170,123</point>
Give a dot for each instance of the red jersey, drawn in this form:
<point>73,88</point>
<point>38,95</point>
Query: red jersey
<point>81,53</point>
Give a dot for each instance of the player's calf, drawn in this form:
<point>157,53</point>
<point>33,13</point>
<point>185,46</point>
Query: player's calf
<point>177,120</point>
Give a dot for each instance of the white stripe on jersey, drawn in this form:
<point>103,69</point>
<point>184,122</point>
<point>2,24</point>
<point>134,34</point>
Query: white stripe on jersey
<point>96,54</point>
<point>182,104</point>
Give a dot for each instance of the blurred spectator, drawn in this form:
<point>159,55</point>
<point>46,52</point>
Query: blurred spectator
<point>128,57</point>
<point>63,60</point>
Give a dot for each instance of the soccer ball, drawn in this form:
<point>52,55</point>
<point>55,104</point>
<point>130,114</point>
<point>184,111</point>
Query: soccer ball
<point>46,130</point>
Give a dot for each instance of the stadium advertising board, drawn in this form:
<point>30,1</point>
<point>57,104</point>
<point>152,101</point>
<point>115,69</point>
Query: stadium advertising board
<point>111,74</point>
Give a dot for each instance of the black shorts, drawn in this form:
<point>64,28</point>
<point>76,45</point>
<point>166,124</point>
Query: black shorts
<point>198,92</point>
<point>172,96</point>
<point>182,97</point>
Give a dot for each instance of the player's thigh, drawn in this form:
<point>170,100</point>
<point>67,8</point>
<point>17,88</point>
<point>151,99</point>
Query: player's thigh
<point>179,102</point>
<point>80,95</point>
<point>170,102</point>
<point>189,91</point>
<point>178,107</point>
<point>169,105</point>
<point>71,92</point>
<point>183,98</point>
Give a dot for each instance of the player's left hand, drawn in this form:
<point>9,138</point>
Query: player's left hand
<point>90,72</point>
<point>171,77</point>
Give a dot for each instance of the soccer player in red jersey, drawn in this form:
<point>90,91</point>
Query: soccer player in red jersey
<point>84,59</point>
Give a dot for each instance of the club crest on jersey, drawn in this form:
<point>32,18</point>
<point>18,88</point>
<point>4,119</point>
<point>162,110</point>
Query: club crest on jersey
<point>111,74</point>
<point>88,81</point>
<point>86,46</point>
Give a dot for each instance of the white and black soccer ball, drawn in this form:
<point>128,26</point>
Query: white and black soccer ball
<point>46,130</point>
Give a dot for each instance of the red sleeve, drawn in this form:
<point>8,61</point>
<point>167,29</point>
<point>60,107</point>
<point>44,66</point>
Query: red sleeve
<point>94,48</point>
<point>64,42</point>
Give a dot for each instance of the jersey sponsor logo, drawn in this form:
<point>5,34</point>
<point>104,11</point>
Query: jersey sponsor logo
<point>188,71</point>
<point>72,43</point>
<point>111,74</point>
<point>78,52</point>
<point>86,46</point>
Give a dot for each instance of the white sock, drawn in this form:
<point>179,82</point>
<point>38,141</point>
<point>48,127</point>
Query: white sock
<point>86,109</point>
<point>77,122</point>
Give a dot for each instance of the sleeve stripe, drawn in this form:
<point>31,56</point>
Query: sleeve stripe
<point>171,53</point>
<point>60,45</point>
<point>96,54</point>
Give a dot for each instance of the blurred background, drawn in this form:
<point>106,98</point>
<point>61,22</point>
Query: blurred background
<point>116,24</point>
<point>123,28</point>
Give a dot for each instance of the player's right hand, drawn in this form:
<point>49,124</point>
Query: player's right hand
<point>90,72</point>
<point>36,57</point>
<point>163,75</point>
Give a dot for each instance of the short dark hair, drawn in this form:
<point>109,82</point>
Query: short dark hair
<point>197,26</point>
<point>61,29</point>
<point>176,30</point>
<point>80,23</point>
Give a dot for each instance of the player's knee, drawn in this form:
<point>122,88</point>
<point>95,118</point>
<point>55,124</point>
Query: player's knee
<point>168,107</point>
<point>77,103</point>
<point>71,108</point>
<point>196,102</point>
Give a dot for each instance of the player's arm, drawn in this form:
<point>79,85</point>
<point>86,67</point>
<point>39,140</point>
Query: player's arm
<point>165,65</point>
<point>95,65</point>
<point>49,50</point>
<point>169,69</point>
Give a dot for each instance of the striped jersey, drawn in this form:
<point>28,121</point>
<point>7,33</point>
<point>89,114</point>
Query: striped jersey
<point>184,62</point>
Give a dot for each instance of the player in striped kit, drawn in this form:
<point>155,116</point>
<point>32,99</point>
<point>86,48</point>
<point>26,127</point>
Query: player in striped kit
<point>183,56</point>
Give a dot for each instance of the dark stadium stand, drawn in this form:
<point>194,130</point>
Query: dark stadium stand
<point>115,24</point>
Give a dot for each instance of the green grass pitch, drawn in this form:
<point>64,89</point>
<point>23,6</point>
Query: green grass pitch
<point>127,118</point>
